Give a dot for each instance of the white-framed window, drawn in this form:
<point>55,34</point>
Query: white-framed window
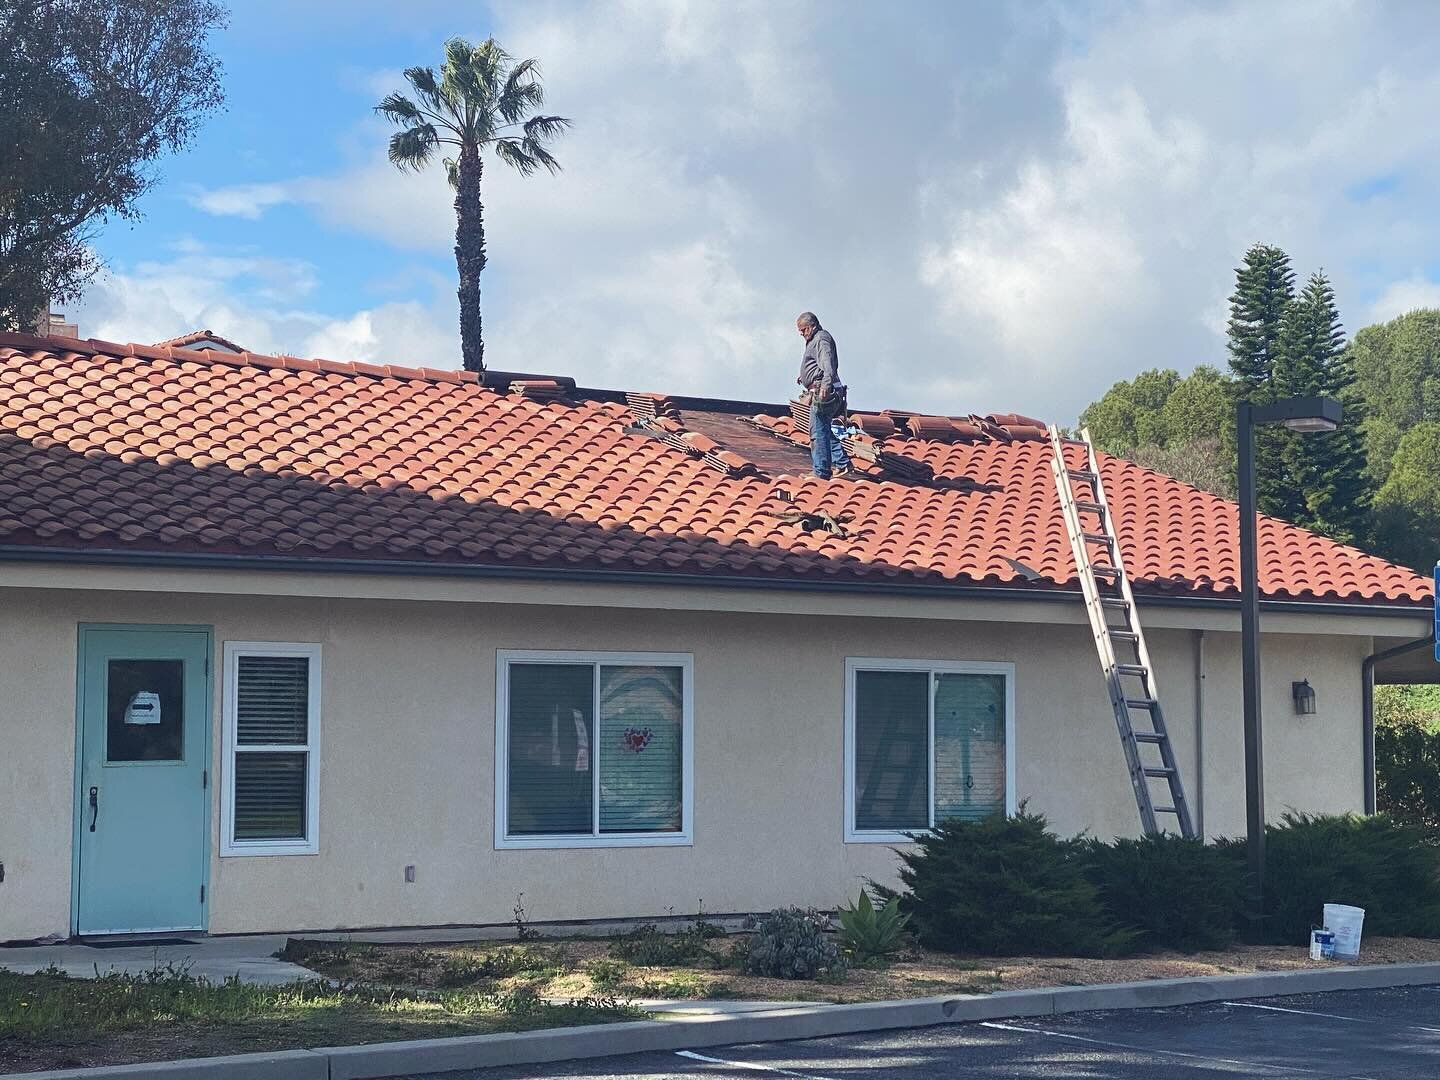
<point>593,749</point>
<point>926,741</point>
<point>270,787</point>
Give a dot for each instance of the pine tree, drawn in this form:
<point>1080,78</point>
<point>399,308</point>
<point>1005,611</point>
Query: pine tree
<point>1264,288</point>
<point>1323,475</point>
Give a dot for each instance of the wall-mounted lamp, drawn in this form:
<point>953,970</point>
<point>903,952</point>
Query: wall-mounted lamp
<point>1304,696</point>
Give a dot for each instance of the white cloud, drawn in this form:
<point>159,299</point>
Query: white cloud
<point>247,201</point>
<point>1399,297</point>
<point>993,208</point>
<point>252,300</point>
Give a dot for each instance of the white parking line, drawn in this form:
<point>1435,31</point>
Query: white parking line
<point>1292,1070</point>
<point>747,1065</point>
<point>1296,1012</point>
<point>1326,1016</point>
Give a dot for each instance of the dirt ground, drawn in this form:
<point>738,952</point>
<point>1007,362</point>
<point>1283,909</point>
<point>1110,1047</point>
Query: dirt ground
<point>561,970</point>
<point>567,970</point>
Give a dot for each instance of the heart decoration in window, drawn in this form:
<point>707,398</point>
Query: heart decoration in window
<point>636,739</point>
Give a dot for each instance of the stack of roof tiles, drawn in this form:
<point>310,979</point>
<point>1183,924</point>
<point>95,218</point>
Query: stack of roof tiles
<point>539,389</point>
<point>119,449</point>
<point>649,406</point>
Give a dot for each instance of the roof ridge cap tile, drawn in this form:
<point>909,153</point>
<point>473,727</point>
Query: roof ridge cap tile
<point>57,345</point>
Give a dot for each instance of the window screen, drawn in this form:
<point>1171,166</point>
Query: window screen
<point>272,766</point>
<point>969,746</point>
<point>892,770</point>
<point>552,737</point>
<point>915,728</point>
<point>594,749</point>
<point>640,726</point>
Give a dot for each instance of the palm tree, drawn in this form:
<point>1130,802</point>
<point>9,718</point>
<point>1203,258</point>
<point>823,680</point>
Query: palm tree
<point>480,97</point>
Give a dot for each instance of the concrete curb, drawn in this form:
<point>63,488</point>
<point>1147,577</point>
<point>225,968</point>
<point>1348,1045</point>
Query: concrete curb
<point>696,1032</point>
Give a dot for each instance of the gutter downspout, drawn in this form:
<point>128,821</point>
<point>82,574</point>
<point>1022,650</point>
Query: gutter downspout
<point>1367,709</point>
<point>1199,800</point>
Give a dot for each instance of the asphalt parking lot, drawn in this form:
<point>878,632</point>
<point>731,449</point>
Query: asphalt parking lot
<point>1361,1035</point>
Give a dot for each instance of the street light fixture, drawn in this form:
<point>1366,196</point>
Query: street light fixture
<point>1306,415</point>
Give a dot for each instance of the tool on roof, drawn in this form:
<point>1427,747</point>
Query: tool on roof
<point>1115,597</point>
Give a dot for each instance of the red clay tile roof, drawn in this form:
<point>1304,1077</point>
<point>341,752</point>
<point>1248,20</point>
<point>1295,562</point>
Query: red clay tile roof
<point>145,448</point>
<point>184,341</point>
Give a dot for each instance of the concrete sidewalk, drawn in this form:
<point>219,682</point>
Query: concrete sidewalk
<point>251,957</point>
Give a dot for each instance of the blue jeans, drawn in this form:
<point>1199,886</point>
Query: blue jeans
<point>826,453</point>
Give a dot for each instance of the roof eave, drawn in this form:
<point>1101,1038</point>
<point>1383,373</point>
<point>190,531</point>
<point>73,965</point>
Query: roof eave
<point>412,568</point>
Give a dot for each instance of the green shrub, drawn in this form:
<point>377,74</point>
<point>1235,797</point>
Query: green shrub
<point>1005,886</point>
<point>791,943</point>
<point>1371,862</point>
<point>1407,756</point>
<point>1172,893</point>
<point>648,946</point>
<point>868,932</point>
<point>605,975</point>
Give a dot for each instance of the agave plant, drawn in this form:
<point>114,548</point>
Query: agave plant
<point>479,97</point>
<point>867,932</point>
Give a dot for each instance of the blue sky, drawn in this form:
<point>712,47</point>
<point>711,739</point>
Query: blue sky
<point>994,207</point>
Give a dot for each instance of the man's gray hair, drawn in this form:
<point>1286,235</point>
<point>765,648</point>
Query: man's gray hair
<point>807,318</point>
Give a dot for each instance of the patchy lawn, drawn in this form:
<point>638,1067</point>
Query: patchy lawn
<point>50,1021</point>
<point>375,993</point>
<point>688,966</point>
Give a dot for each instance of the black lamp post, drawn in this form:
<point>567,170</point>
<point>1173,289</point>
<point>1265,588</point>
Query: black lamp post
<point>1310,414</point>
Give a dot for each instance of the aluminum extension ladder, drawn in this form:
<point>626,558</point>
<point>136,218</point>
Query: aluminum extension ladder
<point>1116,599</point>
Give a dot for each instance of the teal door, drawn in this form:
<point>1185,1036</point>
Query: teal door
<point>144,804</point>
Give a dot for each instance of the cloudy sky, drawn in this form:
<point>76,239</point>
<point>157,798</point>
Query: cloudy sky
<point>994,207</point>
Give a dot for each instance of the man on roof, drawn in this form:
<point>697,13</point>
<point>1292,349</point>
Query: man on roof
<point>820,376</point>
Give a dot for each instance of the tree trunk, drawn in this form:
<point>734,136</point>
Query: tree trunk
<point>470,256</point>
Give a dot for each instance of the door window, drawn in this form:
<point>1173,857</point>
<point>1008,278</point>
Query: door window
<point>144,711</point>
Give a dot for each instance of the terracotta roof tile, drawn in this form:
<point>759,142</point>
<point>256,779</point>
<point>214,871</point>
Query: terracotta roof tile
<point>163,448</point>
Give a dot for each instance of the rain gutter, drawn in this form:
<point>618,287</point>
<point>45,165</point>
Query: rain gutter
<point>406,568</point>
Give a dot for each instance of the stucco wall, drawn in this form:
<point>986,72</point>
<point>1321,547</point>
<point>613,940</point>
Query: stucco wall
<point>407,770</point>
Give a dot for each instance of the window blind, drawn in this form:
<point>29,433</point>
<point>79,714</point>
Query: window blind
<point>273,756</point>
<point>270,796</point>
<point>272,701</point>
<point>641,718</point>
<point>587,737</point>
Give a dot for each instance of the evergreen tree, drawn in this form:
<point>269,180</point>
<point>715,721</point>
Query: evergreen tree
<point>1322,476</point>
<point>1264,288</point>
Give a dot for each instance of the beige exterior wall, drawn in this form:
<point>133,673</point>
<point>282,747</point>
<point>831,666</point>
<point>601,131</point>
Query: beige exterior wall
<point>407,758</point>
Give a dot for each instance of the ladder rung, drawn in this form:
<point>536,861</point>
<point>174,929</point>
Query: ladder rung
<point>1165,810</point>
<point>1115,602</point>
<point>1132,669</point>
<point>1105,571</point>
<point>1098,538</point>
<point>1141,703</point>
<point>1124,635</point>
<point>1073,442</point>
<point>1092,507</point>
<point>1147,736</point>
<point>1158,771</point>
<point>1081,474</point>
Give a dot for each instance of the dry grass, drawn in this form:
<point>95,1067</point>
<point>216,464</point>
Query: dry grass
<point>576,968</point>
<point>386,992</point>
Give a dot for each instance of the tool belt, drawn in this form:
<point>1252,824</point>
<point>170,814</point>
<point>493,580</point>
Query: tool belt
<point>832,404</point>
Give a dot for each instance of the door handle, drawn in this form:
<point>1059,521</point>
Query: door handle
<point>94,806</point>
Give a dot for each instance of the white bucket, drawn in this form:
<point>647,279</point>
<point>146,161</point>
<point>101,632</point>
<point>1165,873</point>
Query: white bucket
<point>1346,923</point>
